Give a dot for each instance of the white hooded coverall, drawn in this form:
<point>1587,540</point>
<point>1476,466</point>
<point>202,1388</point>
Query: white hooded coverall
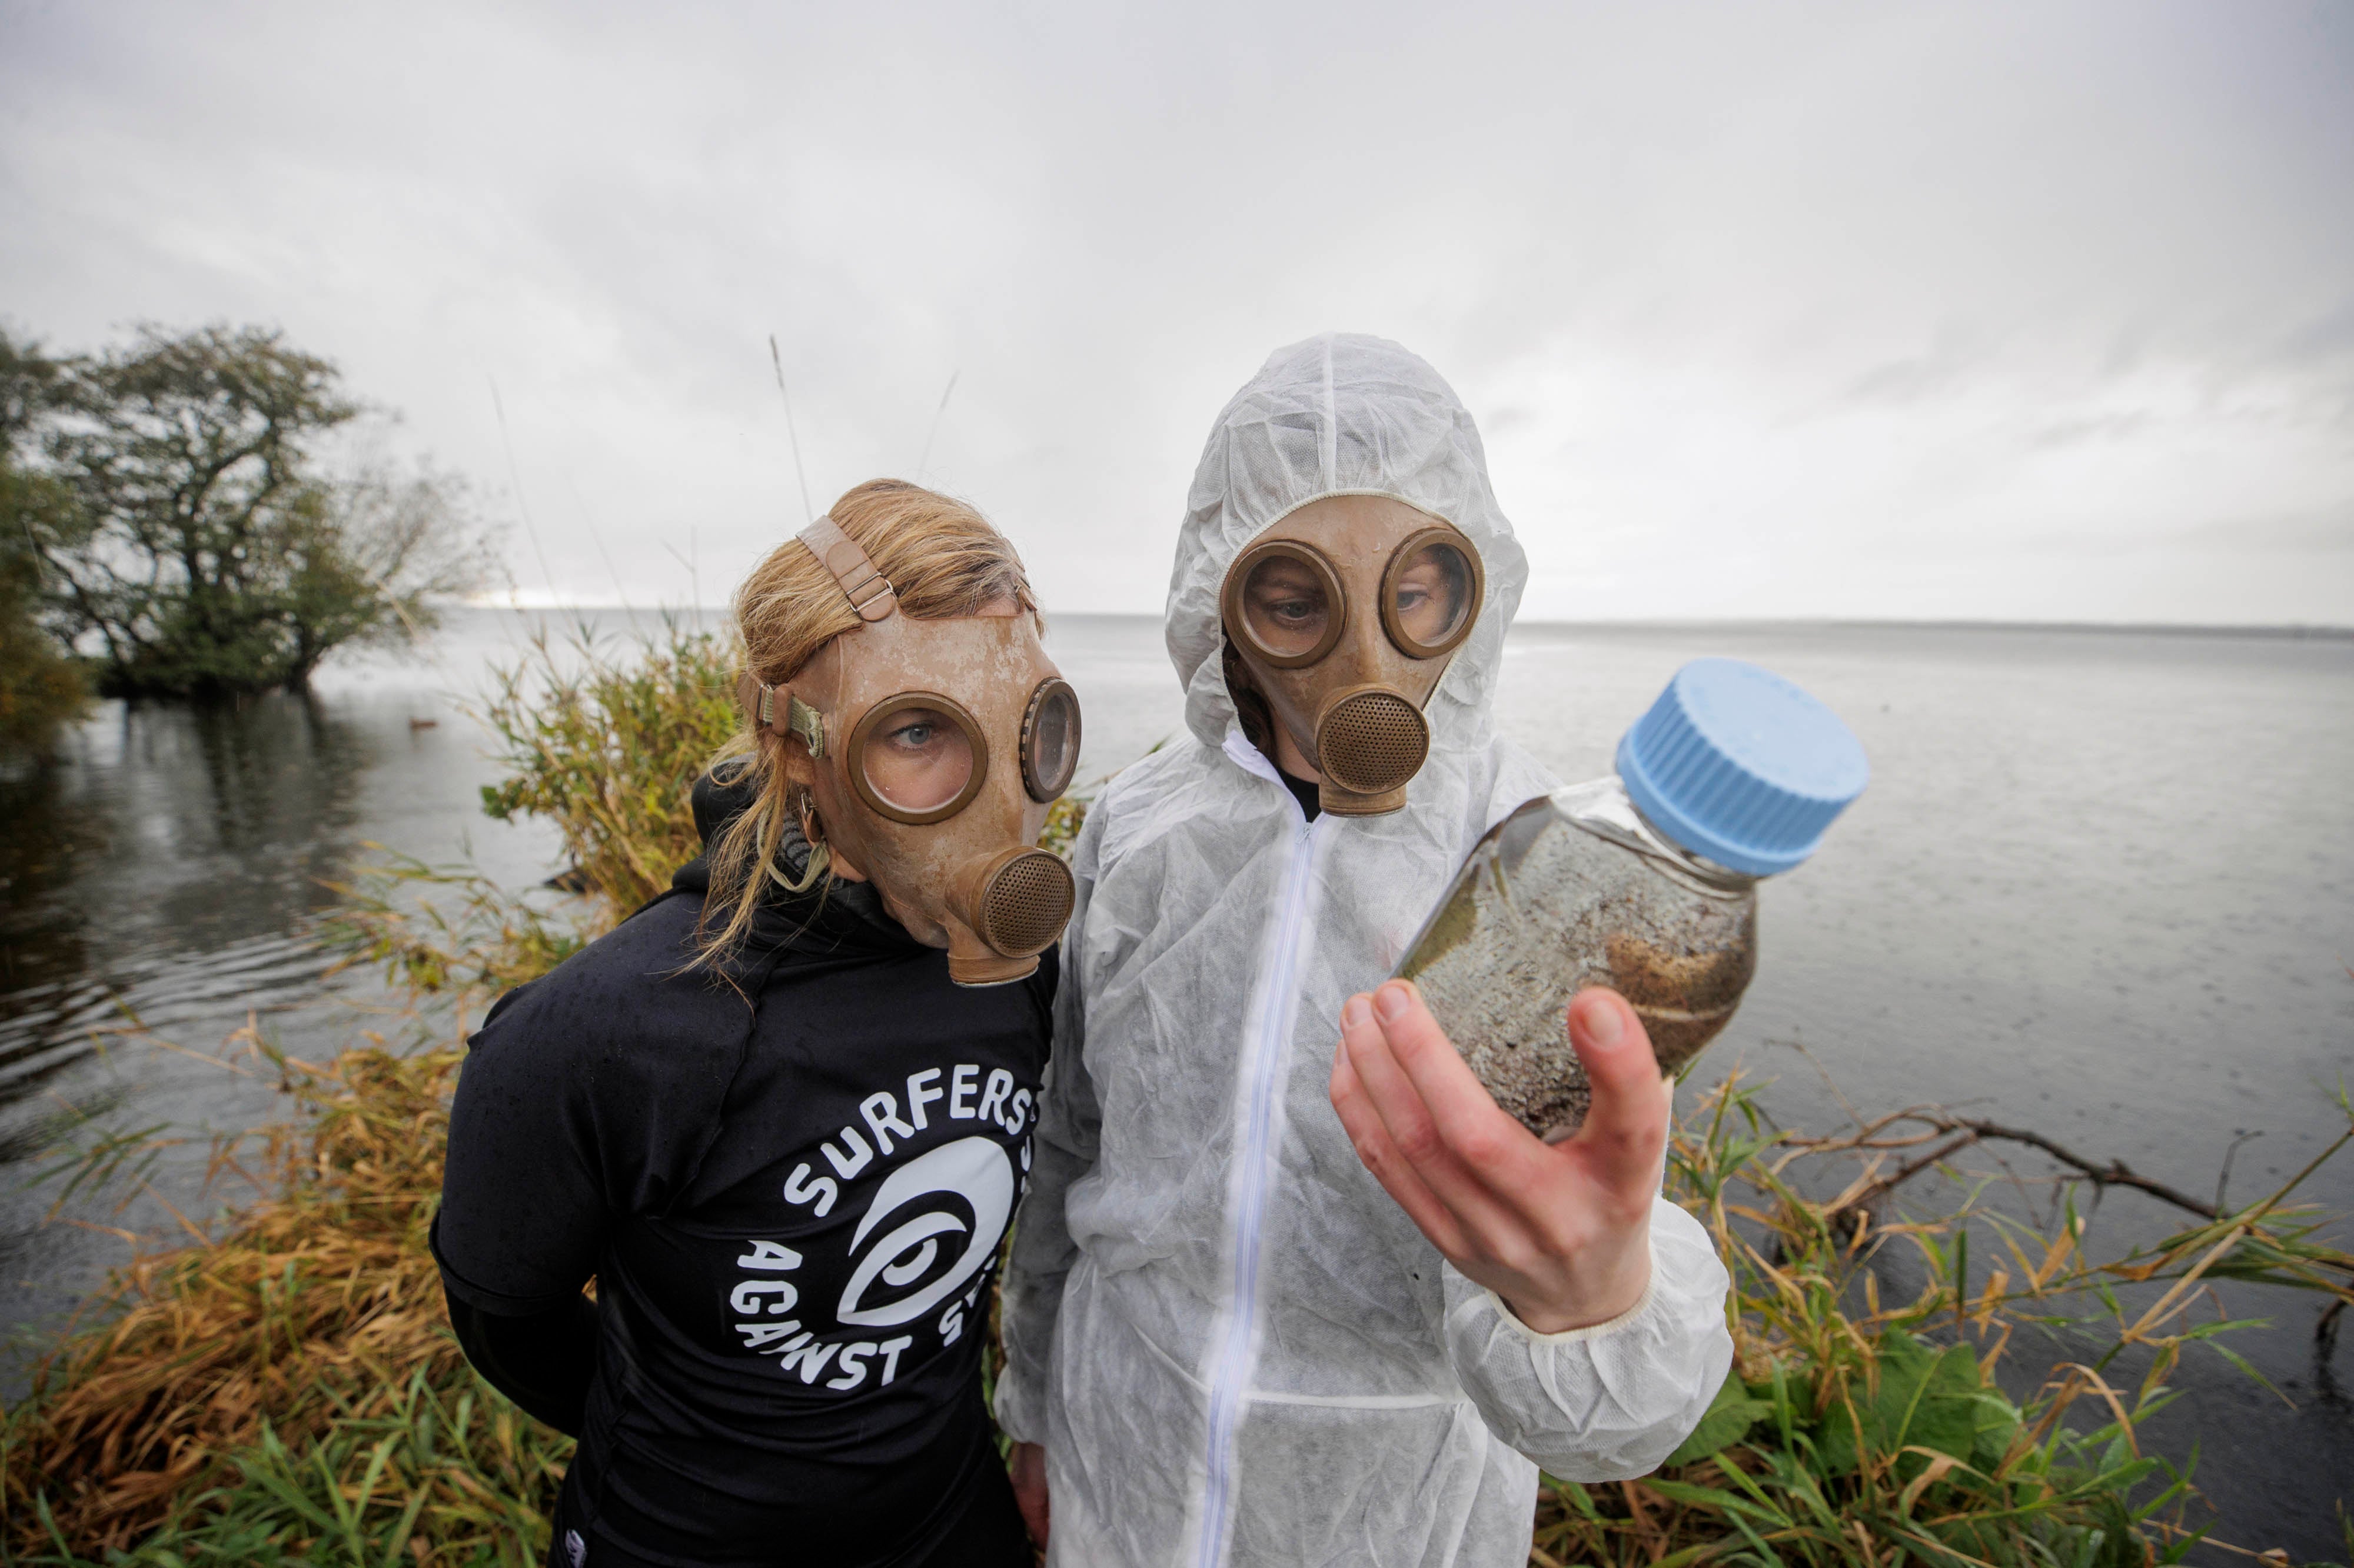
<point>1236,1348</point>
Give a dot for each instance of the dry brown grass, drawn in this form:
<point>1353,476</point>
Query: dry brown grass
<point>316,1306</point>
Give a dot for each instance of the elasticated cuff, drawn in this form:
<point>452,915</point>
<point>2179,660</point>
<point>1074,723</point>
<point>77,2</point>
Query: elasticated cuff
<point>1592,1330</point>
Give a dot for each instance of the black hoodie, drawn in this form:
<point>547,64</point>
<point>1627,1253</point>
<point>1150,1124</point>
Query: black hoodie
<point>790,1191</point>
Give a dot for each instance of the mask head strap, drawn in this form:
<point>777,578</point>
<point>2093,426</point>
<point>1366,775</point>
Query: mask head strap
<point>760,707</point>
<point>868,590</point>
<point>870,595</point>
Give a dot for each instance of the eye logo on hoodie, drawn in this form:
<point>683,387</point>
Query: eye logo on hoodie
<point>958,1199</point>
<point>917,1259</point>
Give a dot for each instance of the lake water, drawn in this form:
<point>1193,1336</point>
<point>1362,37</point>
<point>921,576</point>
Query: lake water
<point>2099,887</point>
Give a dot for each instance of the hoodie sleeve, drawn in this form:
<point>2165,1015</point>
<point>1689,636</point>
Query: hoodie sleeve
<point>1606,1402</point>
<point>1064,1151</point>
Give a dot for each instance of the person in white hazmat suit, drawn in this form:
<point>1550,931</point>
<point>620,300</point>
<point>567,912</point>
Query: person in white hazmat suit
<point>1232,1344</point>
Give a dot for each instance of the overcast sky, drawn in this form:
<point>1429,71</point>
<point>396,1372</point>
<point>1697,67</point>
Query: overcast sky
<point>2041,310</point>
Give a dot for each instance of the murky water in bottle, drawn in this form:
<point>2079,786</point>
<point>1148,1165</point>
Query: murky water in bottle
<point>1572,890</point>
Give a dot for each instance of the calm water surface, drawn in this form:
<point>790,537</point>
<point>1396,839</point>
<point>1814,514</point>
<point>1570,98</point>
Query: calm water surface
<point>2099,887</point>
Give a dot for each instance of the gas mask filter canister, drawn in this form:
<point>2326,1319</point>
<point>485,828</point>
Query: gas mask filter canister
<point>1346,613</point>
<point>940,743</point>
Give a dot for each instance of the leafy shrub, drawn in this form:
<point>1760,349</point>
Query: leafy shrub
<point>607,749</point>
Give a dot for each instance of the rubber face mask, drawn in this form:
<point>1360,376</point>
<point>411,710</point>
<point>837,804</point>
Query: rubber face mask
<point>1345,613</point>
<point>942,742</point>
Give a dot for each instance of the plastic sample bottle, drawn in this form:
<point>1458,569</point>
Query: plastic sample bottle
<point>1646,882</point>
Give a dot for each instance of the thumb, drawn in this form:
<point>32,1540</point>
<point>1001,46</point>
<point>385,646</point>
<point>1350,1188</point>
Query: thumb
<point>1627,1121</point>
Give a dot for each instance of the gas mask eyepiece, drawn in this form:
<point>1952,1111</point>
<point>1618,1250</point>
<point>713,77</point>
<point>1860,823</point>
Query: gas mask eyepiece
<point>917,757</point>
<point>955,736</point>
<point>1050,740</point>
<point>1346,614</point>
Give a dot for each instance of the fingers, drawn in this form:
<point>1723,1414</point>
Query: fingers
<point>1447,1169</point>
<point>1501,1151</point>
<point>1626,1126</point>
<point>1379,1152</point>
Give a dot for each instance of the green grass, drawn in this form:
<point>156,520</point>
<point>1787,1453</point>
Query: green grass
<point>1855,1430</point>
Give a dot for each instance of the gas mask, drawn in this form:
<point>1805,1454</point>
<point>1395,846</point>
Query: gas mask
<point>939,746</point>
<point>1345,613</point>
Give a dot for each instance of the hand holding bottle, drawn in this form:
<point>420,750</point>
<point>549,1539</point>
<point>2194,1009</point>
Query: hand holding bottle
<point>1561,1231</point>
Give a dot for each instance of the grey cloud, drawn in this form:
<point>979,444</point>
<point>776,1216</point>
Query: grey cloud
<point>1900,381</point>
<point>2092,428</point>
<point>2323,531</point>
<point>2325,338</point>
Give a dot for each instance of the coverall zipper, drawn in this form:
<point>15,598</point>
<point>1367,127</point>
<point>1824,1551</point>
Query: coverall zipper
<point>1231,1372</point>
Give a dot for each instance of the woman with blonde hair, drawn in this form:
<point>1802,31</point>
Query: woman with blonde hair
<point>783,1112</point>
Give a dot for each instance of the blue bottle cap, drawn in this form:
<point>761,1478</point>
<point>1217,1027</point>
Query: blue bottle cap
<point>1735,764</point>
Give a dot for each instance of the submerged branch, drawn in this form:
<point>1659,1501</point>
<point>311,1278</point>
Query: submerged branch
<point>1961,1132</point>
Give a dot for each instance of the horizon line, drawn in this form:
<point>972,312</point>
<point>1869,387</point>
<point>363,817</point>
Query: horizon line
<point>2327,630</point>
